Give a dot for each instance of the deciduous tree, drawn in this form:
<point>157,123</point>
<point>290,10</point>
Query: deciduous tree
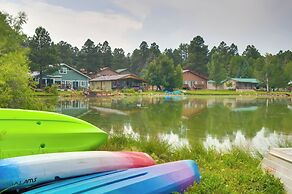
<point>162,72</point>
<point>15,80</point>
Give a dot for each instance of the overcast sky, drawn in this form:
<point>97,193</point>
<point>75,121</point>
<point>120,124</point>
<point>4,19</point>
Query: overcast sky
<point>267,24</point>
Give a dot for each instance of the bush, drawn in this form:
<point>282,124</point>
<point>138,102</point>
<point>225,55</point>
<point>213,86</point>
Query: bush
<point>128,90</point>
<point>52,89</point>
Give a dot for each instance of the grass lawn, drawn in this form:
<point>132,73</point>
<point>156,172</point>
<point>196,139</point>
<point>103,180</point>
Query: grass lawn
<point>232,172</point>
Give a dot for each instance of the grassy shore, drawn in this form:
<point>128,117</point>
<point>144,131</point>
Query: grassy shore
<point>212,93</point>
<point>233,172</point>
<point>161,93</point>
<point>59,93</point>
<point>233,92</point>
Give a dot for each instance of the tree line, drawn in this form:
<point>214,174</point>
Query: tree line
<point>218,63</point>
<point>158,67</point>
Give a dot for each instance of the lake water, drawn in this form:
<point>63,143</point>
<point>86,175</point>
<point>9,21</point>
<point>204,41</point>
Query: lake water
<point>218,122</point>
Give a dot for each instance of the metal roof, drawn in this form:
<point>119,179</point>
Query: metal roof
<point>246,80</point>
<point>116,77</point>
<point>121,70</point>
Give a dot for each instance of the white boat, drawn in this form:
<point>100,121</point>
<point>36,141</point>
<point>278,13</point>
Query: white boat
<point>279,163</point>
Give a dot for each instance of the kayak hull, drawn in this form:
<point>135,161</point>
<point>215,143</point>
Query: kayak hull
<point>24,132</point>
<point>163,178</point>
<point>26,171</point>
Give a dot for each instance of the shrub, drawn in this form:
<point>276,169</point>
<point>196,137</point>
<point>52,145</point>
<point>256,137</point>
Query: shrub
<point>52,89</point>
<point>128,90</point>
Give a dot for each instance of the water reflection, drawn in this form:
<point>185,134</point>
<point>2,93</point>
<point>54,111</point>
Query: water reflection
<point>261,142</point>
<point>174,140</point>
<point>221,122</point>
<point>74,107</point>
<point>108,110</point>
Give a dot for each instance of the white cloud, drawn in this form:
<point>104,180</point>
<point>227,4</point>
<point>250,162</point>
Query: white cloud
<point>138,9</point>
<point>75,27</point>
<point>126,23</point>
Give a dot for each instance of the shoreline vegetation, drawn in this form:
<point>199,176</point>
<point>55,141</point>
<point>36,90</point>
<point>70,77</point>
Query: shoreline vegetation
<point>161,93</point>
<point>236,171</point>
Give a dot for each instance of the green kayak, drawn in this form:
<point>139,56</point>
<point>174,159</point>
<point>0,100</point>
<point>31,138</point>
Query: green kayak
<point>25,132</point>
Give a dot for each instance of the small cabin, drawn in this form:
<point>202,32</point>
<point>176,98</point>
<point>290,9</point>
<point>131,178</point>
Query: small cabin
<point>241,83</point>
<point>237,84</point>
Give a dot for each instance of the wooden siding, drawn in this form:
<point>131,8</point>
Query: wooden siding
<point>70,79</point>
<point>194,81</point>
<point>101,85</point>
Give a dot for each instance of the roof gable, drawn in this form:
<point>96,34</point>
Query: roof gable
<point>195,73</point>
<point>116,77</point>
<point>63,64</point>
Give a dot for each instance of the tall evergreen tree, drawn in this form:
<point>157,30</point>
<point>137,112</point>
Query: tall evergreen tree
<point>43,52</point>
<point>66,53</point>
<point>153,52</point>
<point>216,68</point>
<point>106,54</point>
<point>198,55</point>
<point>89,57</point>
<point>239,67</point>
<point>251,52</point>
<point>139,58</point>
<point>119,59</point>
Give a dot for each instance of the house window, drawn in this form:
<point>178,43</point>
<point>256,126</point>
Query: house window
<point>63,70</point>
<point>68,84</point>
<point>202,82</point>
<point>83,83</point>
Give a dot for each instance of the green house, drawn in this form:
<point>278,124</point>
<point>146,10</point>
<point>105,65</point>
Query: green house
<point>67,77</point>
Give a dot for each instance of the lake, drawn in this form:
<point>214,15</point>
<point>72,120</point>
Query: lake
<point>217,122</point>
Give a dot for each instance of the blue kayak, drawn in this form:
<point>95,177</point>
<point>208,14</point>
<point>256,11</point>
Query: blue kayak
<point>163,178</point>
